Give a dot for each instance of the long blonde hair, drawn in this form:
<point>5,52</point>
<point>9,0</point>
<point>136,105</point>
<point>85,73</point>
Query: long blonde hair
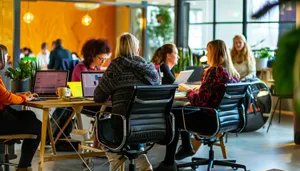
<point>220,56</point>
<point>127,45</point>
<point>245,54</point>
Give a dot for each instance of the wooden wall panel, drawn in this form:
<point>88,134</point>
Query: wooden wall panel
<point>54,20</point>
<point>6,24</point>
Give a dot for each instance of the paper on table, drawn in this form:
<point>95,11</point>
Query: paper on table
<point>76,89</point>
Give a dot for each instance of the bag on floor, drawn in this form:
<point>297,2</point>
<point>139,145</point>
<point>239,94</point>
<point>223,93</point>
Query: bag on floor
<point>257,105</point>
<point>59,118</point>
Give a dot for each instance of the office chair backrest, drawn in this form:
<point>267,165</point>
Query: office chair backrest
<point>69,64</point>
<point>231,113</point>
<point>149,114</point>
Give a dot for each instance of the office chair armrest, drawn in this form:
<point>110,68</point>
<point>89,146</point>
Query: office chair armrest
<point>107,116</point>
<point>172,126</point>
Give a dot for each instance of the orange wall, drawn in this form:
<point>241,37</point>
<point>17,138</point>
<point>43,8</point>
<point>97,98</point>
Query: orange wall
<point>6,24</point>
<point>54,20</point>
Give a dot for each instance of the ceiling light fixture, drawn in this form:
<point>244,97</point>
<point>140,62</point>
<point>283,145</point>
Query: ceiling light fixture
<point>28,16</point>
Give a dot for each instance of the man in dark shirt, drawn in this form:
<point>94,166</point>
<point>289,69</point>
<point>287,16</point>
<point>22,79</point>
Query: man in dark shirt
<point>57,55</point>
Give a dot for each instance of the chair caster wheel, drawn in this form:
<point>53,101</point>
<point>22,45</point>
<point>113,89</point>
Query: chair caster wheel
<point>195,167</point>
<point>234,168</point>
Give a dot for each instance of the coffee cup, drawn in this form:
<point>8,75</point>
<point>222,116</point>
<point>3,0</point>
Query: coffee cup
<point>62,92</point>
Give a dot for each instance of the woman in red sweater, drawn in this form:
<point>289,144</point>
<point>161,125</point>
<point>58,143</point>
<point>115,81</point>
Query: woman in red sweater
<point>220,72</point>
<point>18,122</point>
<point>95,52</point>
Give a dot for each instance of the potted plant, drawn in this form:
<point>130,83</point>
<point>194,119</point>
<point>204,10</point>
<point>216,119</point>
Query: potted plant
<point>262,58</point>
<point>186,58</point>
<point>20,77</point>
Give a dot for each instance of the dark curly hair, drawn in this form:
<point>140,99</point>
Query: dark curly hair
<point>92,48</point>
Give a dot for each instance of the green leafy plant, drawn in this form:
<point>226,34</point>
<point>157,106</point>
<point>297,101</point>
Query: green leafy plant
<point>160,28</point>
<point>22,72</point>
<point>186,58</point>
<point>264,53</point>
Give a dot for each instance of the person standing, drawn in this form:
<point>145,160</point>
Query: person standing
<point>57,55</point>
<point>43,56</point>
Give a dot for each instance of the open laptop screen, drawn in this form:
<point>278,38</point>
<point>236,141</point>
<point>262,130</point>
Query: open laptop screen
<point>90,81</point>
<point>46,82</point>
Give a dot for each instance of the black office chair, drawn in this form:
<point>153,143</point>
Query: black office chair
<point>148,120</point>
<point>258,105</point>
<point>228,116</point>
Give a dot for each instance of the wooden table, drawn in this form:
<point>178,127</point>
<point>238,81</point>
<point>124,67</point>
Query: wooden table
<point>45,106</point>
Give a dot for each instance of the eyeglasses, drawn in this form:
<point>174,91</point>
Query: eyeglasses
<point>102,59</point>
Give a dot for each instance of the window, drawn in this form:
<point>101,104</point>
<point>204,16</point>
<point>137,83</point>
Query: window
<point>201,11</point>
<point>223,33</point>
<point>226,20</point>
<point>232,11</point>
<point>200,35</point>
<point>263,35</point>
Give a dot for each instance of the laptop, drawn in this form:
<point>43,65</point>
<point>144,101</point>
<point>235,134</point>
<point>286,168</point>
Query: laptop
<point>197,74</point>
<point>46,82</point>
<point>89,82</point>
<point>183,76</point>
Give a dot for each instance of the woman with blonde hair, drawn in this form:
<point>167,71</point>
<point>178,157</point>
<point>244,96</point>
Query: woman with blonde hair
<point>124,72</point>
<point>220,72</point>
<point>242,58</point>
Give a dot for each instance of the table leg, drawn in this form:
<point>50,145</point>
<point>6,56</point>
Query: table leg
<point>78,110</point>
<point>102,109</point>
<point>51,137</point>
<point>43,138</point>
<point>64,127</point>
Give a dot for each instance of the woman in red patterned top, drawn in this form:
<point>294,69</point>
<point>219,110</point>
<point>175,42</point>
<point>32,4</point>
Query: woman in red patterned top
<point>220,72</point>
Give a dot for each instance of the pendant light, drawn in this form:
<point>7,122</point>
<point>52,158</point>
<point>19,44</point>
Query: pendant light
<point>28,16</point>
<point>86,20</point>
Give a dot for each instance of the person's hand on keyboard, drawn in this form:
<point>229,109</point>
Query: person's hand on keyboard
<point>31,96</point>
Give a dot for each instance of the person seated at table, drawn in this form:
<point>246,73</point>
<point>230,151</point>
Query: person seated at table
<point>168,54</point>
<point>124,72</point>
<point>220,72</point>
<point>18,122</point>
<point>95,52</point>
<point>242,58</point>
<point>156,58</point>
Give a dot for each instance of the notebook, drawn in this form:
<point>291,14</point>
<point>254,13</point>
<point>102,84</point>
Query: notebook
<point>90,81</point>
<point>76,88</point>
<point>46,82</point>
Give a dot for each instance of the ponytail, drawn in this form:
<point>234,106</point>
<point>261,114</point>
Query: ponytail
<point>157,57</point>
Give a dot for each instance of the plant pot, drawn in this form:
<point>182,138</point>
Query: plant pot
<point>261,63</point>
<point>20,85</point>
